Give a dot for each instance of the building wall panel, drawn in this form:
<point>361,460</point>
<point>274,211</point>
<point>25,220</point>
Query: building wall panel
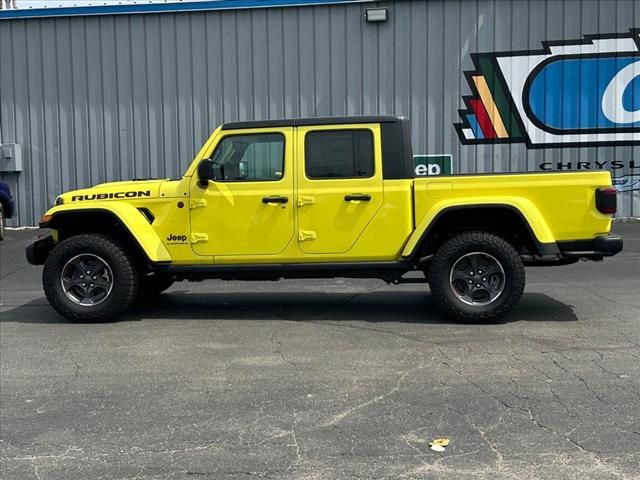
<point>95,99</point>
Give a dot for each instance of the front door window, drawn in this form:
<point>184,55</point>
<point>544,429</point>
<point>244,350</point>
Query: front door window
<point>250,158</point>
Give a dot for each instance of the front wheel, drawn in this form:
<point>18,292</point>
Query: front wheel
<point>89,278</point>
<point>476,277</point>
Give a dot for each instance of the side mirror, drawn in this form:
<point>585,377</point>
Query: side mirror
<point>205,172</point>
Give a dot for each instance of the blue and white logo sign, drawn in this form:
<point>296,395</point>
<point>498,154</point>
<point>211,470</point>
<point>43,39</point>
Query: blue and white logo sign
<point>570,93</point>
<point>579,95</point>
<point>627,183</point>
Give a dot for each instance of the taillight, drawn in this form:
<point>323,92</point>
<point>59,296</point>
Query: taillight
<point>607,200</point>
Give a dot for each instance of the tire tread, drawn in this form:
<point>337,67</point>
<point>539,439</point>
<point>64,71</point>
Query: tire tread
<point>127,286</point>
<point>439,270</point>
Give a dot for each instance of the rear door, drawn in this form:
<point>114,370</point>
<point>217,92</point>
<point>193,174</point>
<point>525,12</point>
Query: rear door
<point>340,185</point>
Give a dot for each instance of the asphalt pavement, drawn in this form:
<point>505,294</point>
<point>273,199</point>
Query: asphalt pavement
<point>324,379</point>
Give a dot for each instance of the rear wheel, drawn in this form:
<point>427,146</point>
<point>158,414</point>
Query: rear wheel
<point>476,277</point>
<point>89,278</point>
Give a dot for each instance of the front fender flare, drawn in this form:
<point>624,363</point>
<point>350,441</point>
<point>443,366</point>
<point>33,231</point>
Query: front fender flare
<point>129,217</point>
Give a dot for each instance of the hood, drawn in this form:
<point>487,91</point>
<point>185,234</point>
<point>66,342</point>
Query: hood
<point>135,183</point>
<point>134,189</point>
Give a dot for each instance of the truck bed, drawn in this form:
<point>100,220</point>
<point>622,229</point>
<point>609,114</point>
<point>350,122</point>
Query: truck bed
<point>558,206</point>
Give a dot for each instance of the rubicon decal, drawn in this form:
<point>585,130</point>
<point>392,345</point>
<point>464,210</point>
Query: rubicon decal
<point>570,93</point>
<point>107,196</point>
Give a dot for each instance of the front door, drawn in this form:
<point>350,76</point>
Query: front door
<point>248,209</point>
<point>340,185</point>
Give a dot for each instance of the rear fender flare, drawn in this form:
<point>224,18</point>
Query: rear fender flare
<point>525,208</point>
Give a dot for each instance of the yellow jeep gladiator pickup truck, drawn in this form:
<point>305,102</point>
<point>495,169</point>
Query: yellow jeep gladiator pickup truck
<point>320,198</point>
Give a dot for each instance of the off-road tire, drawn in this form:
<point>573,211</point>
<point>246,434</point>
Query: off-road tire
<point>153,284</point>
<point>125,278</point>
<point>465,243</point>
<point>2,221</point>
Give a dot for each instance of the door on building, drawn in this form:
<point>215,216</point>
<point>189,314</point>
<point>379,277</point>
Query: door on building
<point>248,208</point>
<point>340,186</point>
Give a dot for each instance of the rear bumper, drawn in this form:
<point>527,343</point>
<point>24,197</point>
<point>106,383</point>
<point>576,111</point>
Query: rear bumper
<point>38,250</point>
<point>595,249</point>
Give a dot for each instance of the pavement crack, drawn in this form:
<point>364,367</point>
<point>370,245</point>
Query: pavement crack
<point>626,337</point>
<point>534,420</point>
<point>579,378</point>
<point>592,454</point>
<point>561,403</point>
<point>412,446</point>
<point>492,446</point>
<point>11,272</point>
<point>74,375</point>
<point>294,443</point>
<point>344,414</point>
<point>278,348</point>
<point>517,387</point>
<point>421,455</point>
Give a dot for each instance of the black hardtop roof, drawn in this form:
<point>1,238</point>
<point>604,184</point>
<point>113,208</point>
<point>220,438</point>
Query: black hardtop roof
<point>296,122</point>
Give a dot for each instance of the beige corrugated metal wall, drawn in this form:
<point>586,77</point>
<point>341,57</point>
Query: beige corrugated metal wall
<point>94,99</point>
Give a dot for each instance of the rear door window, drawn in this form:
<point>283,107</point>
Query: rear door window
<point>339,154</point>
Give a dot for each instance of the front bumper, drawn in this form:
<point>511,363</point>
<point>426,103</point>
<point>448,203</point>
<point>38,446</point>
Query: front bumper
<point>595,249</point>
<point>38,250</point>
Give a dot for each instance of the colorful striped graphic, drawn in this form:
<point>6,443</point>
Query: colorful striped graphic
<point>490,106</point>
<point>500,93</point>
<point>475,127</point>
<point>484,120</point>
<point>489,115</point>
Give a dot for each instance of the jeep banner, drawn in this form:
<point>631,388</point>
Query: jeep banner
<point>426,165</point>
